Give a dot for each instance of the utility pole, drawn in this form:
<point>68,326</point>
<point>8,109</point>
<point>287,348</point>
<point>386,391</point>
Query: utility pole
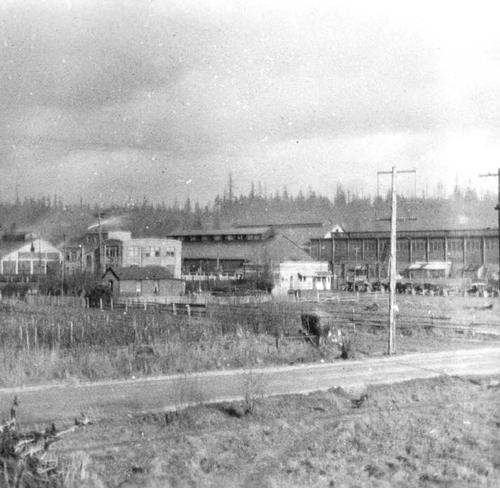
<point>99,214</point>
<point>497,207</point>
<point>63,265</point>
<point>392,263</point>
<point>392,259</point>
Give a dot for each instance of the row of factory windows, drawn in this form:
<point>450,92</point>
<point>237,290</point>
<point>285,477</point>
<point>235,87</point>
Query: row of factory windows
<point>416,245</point>
<point>133,252</point>
<point>220,238</point>
<point>149,251</point>
<point>362,247</point>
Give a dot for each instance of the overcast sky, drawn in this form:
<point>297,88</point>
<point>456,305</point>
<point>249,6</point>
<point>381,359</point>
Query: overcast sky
<point>115,100</point>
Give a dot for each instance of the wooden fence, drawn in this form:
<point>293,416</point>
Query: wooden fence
<point>56,301</point>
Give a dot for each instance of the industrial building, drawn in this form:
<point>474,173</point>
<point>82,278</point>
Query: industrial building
<point>420,253</point>
<point>27,255</point>
<point>98,250</point>
<point>235,251</point>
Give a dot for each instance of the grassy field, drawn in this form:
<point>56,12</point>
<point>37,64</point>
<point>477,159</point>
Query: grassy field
<point>424,433</point>
<point>44,345</point>
<point>440,432</point>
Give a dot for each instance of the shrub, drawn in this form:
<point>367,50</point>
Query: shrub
<point>347,347</point>
<point>97,294</point>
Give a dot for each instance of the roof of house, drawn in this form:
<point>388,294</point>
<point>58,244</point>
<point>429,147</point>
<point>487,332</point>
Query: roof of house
<point>220,232</point>
<point>137,273</point>
<point>472,267</point>
<point>278,248</point>
<point>9,247</point>
<point>430,266</point>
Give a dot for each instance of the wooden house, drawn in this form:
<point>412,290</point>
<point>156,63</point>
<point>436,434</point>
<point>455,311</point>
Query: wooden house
<point>148,282</point>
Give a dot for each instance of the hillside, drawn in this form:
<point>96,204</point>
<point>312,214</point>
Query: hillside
<point>56,222</point>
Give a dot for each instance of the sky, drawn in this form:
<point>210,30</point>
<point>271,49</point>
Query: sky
<point>111,101</point>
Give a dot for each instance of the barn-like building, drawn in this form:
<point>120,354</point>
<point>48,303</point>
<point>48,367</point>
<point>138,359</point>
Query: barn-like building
<point>433,253</point>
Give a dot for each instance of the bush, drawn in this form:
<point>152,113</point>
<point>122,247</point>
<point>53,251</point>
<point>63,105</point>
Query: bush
<point>348,350</point>
<point>97,294</point>
<point>15,290</point>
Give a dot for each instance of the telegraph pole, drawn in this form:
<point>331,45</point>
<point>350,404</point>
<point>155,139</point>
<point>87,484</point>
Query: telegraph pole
<point>392,263</point>
<point>497,207</point>
<point>392,258</point>
<point>99,214</point>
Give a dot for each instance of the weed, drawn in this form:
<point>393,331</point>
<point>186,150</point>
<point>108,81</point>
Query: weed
<point>27,461</point>
<point>253,392</point>
<point>348,348</point>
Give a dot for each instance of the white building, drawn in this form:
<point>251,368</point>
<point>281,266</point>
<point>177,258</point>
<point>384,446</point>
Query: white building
<point>302,275</point>
<point>27,254</point>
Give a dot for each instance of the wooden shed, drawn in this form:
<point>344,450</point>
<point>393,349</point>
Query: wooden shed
<point>148,282</point>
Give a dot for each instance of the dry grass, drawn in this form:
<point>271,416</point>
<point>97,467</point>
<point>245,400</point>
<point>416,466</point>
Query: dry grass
<point>27,458</point>
<point>415,434</point>
<point>442,432</point>
<point>42,345</point>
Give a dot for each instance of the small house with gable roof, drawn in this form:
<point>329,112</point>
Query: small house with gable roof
<point>147,282</point>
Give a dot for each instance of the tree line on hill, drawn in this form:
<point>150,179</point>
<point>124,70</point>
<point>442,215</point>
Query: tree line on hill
<point>56,222</point>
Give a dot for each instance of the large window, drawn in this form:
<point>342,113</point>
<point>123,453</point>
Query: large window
<point>418,245</point>
<point>402,245</point>
<point>492,243</point>
<point>9,267</point>
<point>134,251</point>
<point>170,251</point>
<point>370,245</point>
<point>455,245</point>
<point>24,267</point>
<point>437,245</point>
<point>152,252</point>
<point>474,244</point>
<point>112,251</point>
<point>38,267</point>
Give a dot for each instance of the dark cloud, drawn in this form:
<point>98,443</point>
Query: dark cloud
<point>166,87</point>
<point>88,54</point>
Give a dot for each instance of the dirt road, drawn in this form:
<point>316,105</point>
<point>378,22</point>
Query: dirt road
<point>114,398</point>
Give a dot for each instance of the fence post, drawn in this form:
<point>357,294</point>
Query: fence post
<point>174,309</point>
<point>111,303</point>
<point>100,303</point>
<point>188,310</point>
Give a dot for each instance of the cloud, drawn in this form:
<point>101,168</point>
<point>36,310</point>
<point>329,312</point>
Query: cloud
<point>87,54</point>
<point>235,72</point>
<point>185,88</point>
